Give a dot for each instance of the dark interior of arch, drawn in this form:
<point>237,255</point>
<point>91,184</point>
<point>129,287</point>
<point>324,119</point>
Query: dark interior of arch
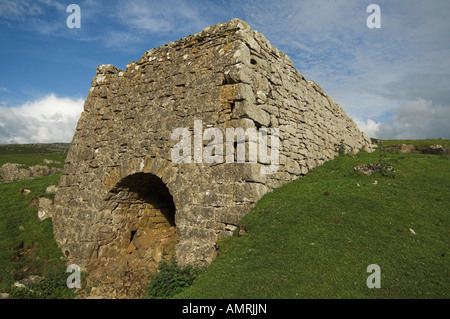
<point>144,229</point>
<point>148,188</point>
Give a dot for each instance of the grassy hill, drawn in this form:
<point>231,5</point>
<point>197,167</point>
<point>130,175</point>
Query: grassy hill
<point>27,246</point>
<point>312,238</point>
<point>33,154</point>
<point>315,237</point>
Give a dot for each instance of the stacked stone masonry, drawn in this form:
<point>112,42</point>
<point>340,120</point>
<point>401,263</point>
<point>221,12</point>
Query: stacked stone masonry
<point>122,204</point>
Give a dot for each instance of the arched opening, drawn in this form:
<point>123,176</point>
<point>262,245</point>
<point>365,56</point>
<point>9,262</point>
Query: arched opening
<point>143,215</point>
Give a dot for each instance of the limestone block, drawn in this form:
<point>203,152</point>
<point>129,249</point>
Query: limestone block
<point>45,209</point>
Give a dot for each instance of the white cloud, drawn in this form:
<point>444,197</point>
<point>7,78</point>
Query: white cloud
<point>55,4</point>
<point>46,120</point>
<point>33,15</point>
<point>370,127</point>
<point>417,119</point>
<point>159,17</point>
<point>371,73</point>
<point>15,10</point>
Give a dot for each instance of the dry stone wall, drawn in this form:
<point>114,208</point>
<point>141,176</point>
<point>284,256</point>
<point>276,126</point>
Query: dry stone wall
<point>123,203</point>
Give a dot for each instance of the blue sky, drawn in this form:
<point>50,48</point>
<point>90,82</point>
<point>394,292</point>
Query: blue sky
<point>393,81</point>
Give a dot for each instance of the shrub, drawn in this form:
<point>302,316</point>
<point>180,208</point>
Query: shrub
<point>342,150</point>
<point>171,279</point>
<point>52,286</point>
<point>385,168</point>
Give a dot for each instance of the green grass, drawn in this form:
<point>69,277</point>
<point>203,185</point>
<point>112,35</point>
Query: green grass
<point>171,278</point>
<point>41,148</point>
<point>33,154</point>
<point>301,243</point>
<point>420,144</point>
<point>27,246</point>
<point>33,159</point>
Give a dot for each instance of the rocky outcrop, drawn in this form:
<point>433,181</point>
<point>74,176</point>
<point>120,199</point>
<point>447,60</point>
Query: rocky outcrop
<point>123,202</point>
<point>436,149</point>
<point>405,148</point>
<point>369,169</point>
<point>10,171</point>
<point>13,171</point>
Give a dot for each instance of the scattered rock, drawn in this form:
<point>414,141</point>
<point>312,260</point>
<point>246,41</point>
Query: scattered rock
<point>27,282</point>
<point>32,279</point>
<point>9,171</point>
<point>230,227</point>
<point>51,189</point>
<point>13,171</point>
<point>406,148</point>
<point>4,295</point>
<point>25,191</point>
<point>436,149</point>
<point>19,285</point>
<point>376,141</point>
<point>45,209</point>
<point>47,161</point>
<point>242,230</point>
<point>369,169</point>
<point>42,170</point>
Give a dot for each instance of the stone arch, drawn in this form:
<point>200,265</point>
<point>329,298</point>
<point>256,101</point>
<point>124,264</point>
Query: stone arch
<point>142,212</point>
<point>157,166</point>
<point>145,213</point>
